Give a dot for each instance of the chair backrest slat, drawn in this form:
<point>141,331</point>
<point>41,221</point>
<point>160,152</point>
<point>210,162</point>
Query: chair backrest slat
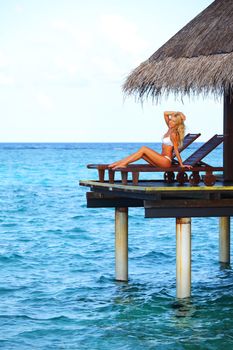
<point>204,150</point>
<point>188,139</point>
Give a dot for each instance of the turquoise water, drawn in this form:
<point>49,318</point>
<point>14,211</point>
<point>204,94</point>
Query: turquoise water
<point>57,284</point>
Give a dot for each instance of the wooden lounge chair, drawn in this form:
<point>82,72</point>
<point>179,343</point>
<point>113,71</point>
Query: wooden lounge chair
<point>195,160</point>
<point>188,139</point>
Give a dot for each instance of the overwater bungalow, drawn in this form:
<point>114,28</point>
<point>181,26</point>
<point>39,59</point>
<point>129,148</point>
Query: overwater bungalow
<point>196,60</point>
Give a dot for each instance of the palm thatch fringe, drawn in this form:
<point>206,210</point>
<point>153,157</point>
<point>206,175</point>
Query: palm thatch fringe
<point>212,74</point>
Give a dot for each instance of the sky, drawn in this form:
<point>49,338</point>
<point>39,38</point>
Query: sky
<point>63,63</point>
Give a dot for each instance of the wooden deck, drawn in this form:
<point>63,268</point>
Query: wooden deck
<point>163,200</point>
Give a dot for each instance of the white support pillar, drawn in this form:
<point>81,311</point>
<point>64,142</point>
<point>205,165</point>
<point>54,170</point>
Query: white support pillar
<point>121,244</point>
<point>183,257</point>
<point>224,239</point>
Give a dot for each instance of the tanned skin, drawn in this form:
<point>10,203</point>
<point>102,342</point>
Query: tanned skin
<point>152,157</point>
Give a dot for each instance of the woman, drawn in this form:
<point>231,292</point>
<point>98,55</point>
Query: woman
<point>172,139</point>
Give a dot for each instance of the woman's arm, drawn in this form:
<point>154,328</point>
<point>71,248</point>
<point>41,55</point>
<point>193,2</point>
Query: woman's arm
<point>172,113</point>
<point>167,114</point>
<point>182,115</point>
<point>177,153</point>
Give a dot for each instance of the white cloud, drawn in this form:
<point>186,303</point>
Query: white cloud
<point>59,24</point>
<point>4,60</point>
<point>19,8</point>
<point>6,79</point>
<point>105,49</point>
<point>44,101</point>
<point>81,37</point>
<point>68,52</point>
<point>63,63</point>
<point>106,66</point>
<point>123,33</point>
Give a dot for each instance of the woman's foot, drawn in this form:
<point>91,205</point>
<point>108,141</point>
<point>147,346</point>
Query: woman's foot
<point>112,165</point>
<point>118,164</point>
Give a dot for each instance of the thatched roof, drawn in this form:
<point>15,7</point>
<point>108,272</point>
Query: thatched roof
<point>198,59</point>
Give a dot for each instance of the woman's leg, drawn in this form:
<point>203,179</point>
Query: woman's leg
<point>127,160</point>
<point>146,153</point>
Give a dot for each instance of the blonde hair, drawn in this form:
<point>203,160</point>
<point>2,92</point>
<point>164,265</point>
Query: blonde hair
<point>180,127</point>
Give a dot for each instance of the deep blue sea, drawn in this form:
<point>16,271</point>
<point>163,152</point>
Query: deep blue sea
<point>57,286</point>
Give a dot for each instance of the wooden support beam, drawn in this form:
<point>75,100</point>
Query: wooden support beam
<point>121,244</point>
<point>191,203</point>
<point>224,239</point>
<point>188,207</point>
<point>228,136</point>
<point>183,257</point>
<point>187,212</point>
<point>105,200</point>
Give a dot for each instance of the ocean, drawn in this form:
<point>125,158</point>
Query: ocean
<point>57,283</point>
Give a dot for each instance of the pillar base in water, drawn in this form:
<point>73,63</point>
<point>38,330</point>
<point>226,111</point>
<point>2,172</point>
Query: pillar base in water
<point>121,244</point>
<point>183,257</point>
<point>224,240</point>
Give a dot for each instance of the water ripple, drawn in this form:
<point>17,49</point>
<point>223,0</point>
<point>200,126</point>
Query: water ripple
<point>57,257</point>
